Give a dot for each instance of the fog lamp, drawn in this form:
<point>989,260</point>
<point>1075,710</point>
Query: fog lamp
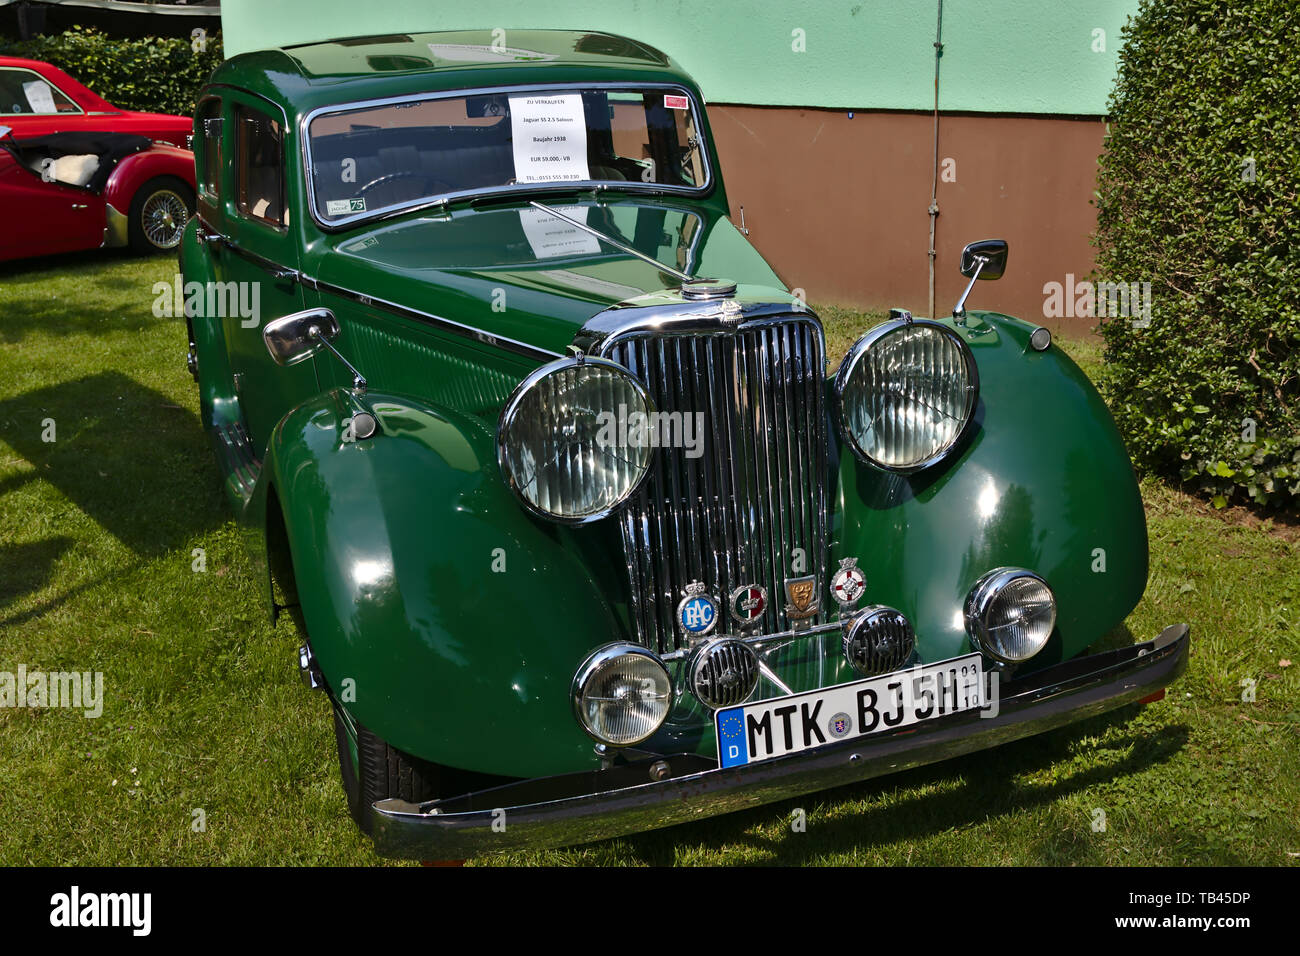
<point>621,694</point>
<point>1010,614</point>
<point>878,640</point>
<point>724,672</point>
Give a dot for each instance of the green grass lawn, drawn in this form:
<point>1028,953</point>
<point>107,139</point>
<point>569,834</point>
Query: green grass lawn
<point>204,710</point>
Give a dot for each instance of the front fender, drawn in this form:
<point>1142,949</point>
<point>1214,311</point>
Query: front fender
<point>458,619</point>
<point>138,168</point>
<point>1042,482</point>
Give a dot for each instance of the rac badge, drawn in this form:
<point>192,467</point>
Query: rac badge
<point>748,602</point>
<point>698,612</point>
<point>849,584</point>
<point>802,595</point>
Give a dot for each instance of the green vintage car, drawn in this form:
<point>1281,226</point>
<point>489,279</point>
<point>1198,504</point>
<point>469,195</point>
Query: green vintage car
<point>546,462</point>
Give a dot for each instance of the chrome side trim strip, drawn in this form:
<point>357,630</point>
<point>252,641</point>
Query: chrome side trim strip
<point>209,235</point>
<point>436,321</point>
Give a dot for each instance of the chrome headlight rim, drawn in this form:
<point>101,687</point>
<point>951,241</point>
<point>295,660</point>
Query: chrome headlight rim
<point>593,663</point>
<point>855,354</point>
<point>511,411</point>
<point>981,599</point>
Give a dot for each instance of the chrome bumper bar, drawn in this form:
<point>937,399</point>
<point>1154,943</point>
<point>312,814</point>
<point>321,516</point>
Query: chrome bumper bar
<point>601,804</point>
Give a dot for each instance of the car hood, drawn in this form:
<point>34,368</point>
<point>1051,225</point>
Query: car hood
<point>517,272</point>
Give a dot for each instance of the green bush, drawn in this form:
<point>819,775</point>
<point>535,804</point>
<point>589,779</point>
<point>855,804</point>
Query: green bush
<point>154,74</point>
<point>1199,194</point>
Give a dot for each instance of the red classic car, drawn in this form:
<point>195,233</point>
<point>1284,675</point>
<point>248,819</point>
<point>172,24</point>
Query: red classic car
<point>69,191</point>
<point>37,99</point>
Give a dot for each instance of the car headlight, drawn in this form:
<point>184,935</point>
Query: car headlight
<point>570,439</point>
<point>621,694</point>
<point>906,392</point>
<point>1010,614</point>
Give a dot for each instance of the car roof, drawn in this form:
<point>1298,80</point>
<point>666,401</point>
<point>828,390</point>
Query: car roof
<point>20,61</point>
<point>306,76</point>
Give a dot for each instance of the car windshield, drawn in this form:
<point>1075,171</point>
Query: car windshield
<point>376,158</point>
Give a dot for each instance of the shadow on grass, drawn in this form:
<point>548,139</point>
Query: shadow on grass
<point>27,566</point>
<point>30,305</point>
<point>987,787</point>
<point>124,455</point>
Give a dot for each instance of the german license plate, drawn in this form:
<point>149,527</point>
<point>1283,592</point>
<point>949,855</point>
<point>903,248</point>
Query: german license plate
<point>785,725</point>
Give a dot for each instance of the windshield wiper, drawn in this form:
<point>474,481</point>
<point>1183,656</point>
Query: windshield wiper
<point>613,242</point>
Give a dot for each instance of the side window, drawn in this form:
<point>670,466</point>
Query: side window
<point>259,167</point>
<point>207,135</point>
<point>23,92</point>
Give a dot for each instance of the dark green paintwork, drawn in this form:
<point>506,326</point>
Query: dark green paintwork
<point>393,539</point>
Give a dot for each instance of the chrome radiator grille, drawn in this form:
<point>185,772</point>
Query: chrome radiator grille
<point>751,509</point>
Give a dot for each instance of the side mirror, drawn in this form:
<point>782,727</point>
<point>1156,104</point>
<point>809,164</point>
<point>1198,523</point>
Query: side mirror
<point>994,254</point>
<point>986,259</point>
<point>297,337</point>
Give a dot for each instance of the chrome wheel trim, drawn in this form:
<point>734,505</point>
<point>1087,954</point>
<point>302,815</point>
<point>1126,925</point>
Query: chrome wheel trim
<point>163,217</point>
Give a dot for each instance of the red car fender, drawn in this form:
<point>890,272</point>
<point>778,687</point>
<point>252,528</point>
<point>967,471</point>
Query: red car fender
<point>137,169</point>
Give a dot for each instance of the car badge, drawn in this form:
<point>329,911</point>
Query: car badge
<point>698,611</point>
<point>748,602</point>
<point>849,584</point>
<point>840,725</point>
<point>802,595</point>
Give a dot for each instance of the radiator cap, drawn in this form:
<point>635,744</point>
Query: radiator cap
<point>708,289</point>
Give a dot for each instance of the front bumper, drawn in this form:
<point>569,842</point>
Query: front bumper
<point>601,804</point>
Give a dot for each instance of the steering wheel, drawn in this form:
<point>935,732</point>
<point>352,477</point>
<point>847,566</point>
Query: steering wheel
<point>429,181</point>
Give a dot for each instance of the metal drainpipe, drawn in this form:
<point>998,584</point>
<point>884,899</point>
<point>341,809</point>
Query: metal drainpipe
<point>934,181</point>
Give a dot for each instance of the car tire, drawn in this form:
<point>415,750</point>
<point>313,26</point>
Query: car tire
<point>380,772</point>
<point>159,212</point>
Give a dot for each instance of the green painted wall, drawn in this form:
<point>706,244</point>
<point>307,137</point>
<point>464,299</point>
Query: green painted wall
<point>1021,56</point>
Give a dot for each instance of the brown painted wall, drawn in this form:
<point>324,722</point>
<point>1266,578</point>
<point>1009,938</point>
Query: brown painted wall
<point>838,206</point>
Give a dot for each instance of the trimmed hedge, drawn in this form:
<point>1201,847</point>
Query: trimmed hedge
<point>154,74</point>
<point>1199,194</point>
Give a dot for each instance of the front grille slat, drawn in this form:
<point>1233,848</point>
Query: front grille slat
<point>733,516</point>
<point>771,476</point>
<point>751,430</point>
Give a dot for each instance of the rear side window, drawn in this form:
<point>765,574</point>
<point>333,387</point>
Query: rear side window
<point>207,130</point>
<point>259,169</point>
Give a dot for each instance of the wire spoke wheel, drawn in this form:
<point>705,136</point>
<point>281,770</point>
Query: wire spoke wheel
<point>163,218</point>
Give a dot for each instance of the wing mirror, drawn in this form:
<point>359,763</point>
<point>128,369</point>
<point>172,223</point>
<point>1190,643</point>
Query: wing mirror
<point>297,337</point>
<point>986,259</point>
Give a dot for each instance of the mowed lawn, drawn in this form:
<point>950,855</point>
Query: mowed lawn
<point>205,721</point>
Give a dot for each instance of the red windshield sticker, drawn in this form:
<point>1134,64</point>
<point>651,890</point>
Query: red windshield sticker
<point>676,103</point>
